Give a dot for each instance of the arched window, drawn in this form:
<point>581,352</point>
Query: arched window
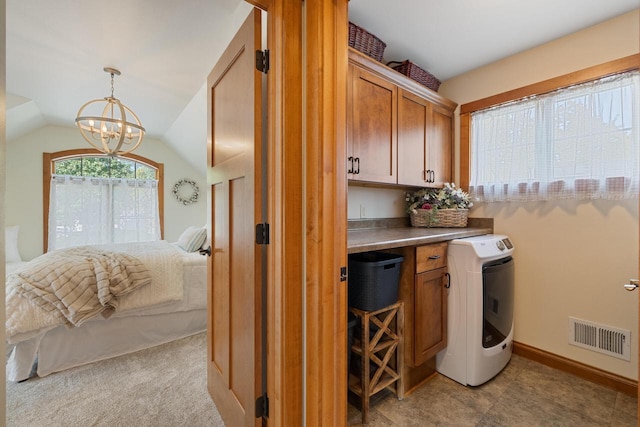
<point>91,198</point>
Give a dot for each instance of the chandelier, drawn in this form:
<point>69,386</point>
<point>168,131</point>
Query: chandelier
<point>108,125</point>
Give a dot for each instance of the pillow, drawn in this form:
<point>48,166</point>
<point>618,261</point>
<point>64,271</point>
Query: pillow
<point>207,240</point>
<point>11,253</point>
<point>192,238</point>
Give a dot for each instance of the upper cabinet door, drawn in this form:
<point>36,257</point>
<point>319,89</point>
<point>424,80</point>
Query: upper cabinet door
<point>440,156</point>
<point>413,139</point>
<point>371,136</point>
<point>424,141</point>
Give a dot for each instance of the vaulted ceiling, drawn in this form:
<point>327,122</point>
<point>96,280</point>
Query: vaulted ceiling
<point>56,50</point>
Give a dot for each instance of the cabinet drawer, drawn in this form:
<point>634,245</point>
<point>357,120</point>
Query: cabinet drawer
<point>430,257</point>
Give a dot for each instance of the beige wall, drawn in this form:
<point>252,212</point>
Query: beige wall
<point>572,258</point>
<point>23,196</point>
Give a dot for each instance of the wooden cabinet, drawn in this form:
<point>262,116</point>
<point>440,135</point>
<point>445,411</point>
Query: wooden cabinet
<point>423,289</point>
<point>430,315</point>
<point>398,131</point>
<point>424,141</point>
<point>372,137</point>
<point>429,325</point>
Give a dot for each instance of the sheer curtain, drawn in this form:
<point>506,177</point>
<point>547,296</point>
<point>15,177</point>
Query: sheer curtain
<point>580,142</point>
<point>86,211</point>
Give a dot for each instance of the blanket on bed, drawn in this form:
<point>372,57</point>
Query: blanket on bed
<point>162,261</point>
<point>76,284</point>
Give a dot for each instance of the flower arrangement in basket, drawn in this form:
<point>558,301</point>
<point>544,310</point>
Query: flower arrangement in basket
<point>439,207</point>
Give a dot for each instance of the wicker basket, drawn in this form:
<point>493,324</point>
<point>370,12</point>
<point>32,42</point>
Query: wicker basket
<point>416,73</point>
<point>365,42</point>
<point>446,218</point>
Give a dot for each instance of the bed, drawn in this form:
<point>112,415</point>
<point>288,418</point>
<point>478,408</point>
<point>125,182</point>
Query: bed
<point>171,306</point>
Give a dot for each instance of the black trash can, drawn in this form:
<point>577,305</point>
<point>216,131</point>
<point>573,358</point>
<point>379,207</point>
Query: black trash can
<point>373,280</point>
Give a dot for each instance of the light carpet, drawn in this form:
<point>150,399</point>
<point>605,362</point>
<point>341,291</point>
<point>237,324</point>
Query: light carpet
<point>162,386</point>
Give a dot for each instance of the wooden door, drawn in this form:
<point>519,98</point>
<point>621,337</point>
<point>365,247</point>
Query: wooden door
<point>430,311</point>
<point>372,135</point>
<point>234,363</point>
<point>440,156</point>
<point>413,139</point>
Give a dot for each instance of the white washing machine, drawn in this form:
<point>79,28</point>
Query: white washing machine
<point>480,309</point>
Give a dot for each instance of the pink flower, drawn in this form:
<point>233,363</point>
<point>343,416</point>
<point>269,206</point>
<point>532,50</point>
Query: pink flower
<point>425,206</point>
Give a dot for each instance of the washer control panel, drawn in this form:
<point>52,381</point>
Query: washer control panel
<point>504,244</point>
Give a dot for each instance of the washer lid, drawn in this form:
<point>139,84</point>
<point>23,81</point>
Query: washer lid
<point>488,245</point>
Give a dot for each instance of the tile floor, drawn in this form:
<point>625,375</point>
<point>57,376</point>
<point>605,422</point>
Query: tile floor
<point>525,393</point>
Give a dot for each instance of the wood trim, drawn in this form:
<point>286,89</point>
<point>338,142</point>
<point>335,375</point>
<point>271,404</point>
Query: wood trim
<point>589,373</point>
<point>285,260</point>
<point>46,198</point>
<point>260,4</point>
<point>307,209</point>
<point>325,72</point>
<point>621,65</point>
<point>465,150</point>
<point>48,168</point>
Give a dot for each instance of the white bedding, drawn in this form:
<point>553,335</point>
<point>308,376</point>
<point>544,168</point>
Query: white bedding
<point>57,347</point>
<point>24,319</point>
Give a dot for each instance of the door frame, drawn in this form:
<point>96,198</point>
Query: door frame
<point>307,211</point>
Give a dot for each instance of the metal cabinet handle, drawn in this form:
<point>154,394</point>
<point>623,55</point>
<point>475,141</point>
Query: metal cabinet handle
<point>357,171</point>
<point>433,176</point>
<point>350,159</point>
<point>448,285</point>
<point>428,175</point>
<point>632,285</point>
<point>434,257</point>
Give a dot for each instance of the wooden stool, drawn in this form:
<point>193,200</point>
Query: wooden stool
<point>378,349</point>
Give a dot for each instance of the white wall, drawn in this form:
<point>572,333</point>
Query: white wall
<point>23,196</point>
<point>572,258</point>
<point>2,186</point>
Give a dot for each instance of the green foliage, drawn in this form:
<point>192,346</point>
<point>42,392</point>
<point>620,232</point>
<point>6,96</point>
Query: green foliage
<point>104,167</point>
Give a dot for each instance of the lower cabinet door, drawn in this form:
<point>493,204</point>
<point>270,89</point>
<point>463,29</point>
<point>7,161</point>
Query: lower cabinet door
<point>430,314</point>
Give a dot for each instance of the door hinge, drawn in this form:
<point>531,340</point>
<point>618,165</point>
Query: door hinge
<point>343,274</point>
<point>262,406</point>
<point>262,60</point>
<point>262,233</point>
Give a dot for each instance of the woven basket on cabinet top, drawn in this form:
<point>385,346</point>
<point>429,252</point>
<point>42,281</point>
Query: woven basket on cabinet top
<point>365,42</point>
<point>416,73</point>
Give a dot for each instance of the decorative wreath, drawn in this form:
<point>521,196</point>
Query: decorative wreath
<point>186,196</point>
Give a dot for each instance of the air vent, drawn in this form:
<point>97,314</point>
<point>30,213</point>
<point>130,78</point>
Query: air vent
<point>603,339</point>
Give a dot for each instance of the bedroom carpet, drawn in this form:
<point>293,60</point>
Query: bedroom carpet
<point>163,386</point>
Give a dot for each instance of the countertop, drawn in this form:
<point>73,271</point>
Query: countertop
<point>361,238</point>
